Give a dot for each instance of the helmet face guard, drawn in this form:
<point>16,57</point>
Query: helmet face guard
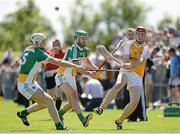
<point>37,39</point>
<point>80,33</point>
<point>140,34</point>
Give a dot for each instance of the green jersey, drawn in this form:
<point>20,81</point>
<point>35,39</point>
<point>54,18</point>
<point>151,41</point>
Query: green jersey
<point>74,53</point>
<point>31,62</point>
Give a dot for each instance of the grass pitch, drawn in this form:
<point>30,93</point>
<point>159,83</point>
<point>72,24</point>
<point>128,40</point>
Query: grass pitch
<point>41,122</point>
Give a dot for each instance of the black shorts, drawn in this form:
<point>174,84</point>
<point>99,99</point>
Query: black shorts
<point>106,84</point>
<point>1,93</point>
<point>50,82</point>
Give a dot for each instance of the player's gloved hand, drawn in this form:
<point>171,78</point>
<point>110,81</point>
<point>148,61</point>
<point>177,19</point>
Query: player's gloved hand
<point>127,66</point>
<point>80,69</point>
<point>93,74</point>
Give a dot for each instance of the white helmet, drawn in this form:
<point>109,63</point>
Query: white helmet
<point>37,37</point>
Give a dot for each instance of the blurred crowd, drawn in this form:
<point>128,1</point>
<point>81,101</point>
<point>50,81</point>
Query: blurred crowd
<point>161,80</point>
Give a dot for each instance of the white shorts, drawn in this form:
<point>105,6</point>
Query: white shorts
<point>61,78</point>
<point>130,78</point>
<point>28,89</point>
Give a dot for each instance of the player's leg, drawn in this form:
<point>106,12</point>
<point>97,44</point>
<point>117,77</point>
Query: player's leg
<point>73,97</point>
<point>134,86</point>
<point>60,79</point>
<point>65,108</point>
<point>134,93</point>
<point>42,99</point>
<point>148,88</point>
<point>121,81</point>
<point>51,90</point>
<point>58,98</point>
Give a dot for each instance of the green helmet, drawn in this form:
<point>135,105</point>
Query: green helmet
<point>80,33</point>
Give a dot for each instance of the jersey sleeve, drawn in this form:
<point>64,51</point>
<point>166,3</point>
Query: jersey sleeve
<point>146,52</point>
<point>68,54</point>
<point>41,56</point>
<point>126,47</point>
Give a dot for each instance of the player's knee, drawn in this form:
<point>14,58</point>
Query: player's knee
<point>49,100</point>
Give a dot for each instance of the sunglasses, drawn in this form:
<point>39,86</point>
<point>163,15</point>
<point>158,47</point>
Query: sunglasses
<point>173,86</point>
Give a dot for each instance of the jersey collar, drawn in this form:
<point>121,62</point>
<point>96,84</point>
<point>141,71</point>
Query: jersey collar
<point>78,46</point>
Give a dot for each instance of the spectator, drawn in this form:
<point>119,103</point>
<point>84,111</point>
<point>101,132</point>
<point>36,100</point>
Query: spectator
<point>175,90</point>
<point>50,72</point>
<point>93,92</point>
<point>148,81</point>
<point>174,64</point>
<point>8,56</point>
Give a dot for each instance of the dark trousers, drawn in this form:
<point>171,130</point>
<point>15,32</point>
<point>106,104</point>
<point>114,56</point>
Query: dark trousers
<point>140,111</point>
<point>90,104</point>
<point>21,100</point>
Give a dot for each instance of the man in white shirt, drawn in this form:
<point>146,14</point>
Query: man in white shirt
<point>93,91</point>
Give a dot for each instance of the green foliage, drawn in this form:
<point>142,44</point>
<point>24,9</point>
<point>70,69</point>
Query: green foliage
<point>103,24</point>
<point>177,23</point>
<point>16,29</point>
<point>167,19</point>
<point>40,122</point>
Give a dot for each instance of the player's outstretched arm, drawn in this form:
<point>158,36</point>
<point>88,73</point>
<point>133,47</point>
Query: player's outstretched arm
<point>63,63</point>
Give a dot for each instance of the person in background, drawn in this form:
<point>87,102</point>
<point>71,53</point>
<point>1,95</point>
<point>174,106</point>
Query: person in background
<point>174,86</point>
<point>93,92</point>
<point>174,64</point>
<point>8,56</point>
<point>50,72</point>
<point>174,68</point>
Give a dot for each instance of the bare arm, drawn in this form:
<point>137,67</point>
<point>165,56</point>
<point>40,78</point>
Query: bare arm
<point>63,63</point>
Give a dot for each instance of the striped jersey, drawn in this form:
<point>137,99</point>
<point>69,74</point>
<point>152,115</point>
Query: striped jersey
<point>31,62</point>
<point>74,53</point>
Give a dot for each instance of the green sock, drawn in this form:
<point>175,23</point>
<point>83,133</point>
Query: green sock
<point>59,126</point>
<point>81,117</point>
<point>61,113</point>
<point>24,113</point>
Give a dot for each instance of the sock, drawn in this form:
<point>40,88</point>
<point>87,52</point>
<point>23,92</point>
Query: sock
<point>121,119</point>
<point>24,112</point>
<point>103,106</point>
<point>61,113</point>
<point>59,126</point>
<point>58,104</point>
<point>81,117</point>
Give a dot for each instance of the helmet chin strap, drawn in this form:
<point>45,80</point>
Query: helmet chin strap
<point>38,45</point>
<point>139,42</point>
<point>81,46</point>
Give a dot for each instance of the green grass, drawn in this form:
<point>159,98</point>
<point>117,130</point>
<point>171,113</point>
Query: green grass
<point>41,122</point>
